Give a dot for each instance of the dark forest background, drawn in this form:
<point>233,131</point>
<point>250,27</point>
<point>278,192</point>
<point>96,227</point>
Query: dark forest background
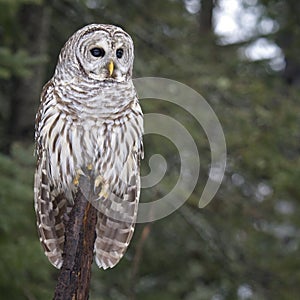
<point>245,243</point>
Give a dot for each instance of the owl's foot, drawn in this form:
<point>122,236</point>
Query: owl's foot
<point>79,172</point>
<point>104,187</point>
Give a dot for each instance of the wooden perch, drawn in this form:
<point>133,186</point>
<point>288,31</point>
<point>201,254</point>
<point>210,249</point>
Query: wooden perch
<point>75,274</point>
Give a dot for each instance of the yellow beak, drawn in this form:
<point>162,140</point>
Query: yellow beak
<point>110,67</point>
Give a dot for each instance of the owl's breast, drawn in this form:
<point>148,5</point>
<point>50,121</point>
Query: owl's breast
<point>102,144</point>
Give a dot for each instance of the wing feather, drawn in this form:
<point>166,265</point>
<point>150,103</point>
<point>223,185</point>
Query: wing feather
<point>50,211</point>
<point>50,205</point>
<point>117,214</point>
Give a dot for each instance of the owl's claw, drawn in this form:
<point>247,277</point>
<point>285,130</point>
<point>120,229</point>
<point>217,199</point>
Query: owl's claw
<point>103,193</point>
<point>104,186</point>
<point>98,180</point>
<point>76,179</point>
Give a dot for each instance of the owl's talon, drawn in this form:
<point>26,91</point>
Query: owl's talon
<point>76,179</point>
<point>104,186</point>
<point>98,180</point>
<point>103,193</point>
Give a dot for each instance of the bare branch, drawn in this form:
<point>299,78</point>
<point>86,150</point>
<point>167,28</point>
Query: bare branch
<point>75,274</point>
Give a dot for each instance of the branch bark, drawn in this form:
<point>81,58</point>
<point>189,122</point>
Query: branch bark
<point>75,274</point>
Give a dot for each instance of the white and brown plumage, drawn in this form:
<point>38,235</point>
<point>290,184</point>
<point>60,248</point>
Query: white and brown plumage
<point>90,118</point>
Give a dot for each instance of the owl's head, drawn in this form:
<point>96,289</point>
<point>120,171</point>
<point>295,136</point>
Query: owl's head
<point>100,52</point>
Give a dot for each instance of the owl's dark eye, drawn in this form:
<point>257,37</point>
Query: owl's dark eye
<point>119,52</point>
<point>97,52</point>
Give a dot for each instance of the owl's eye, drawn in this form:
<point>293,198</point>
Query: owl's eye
<point>119,52</point>
<point>97,52</point>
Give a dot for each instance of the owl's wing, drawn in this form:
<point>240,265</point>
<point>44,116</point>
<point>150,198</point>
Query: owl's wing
<point>117,215</point>
<point>50,205</point>
<point>50,210</point>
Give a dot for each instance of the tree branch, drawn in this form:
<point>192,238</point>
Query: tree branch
<point>75,274</point>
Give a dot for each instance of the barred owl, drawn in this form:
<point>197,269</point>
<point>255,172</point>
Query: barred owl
<point>90,119</point>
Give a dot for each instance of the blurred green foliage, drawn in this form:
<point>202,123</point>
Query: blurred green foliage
<point>21,277</point>
<point>14,60</point>
<point>245,243</point>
